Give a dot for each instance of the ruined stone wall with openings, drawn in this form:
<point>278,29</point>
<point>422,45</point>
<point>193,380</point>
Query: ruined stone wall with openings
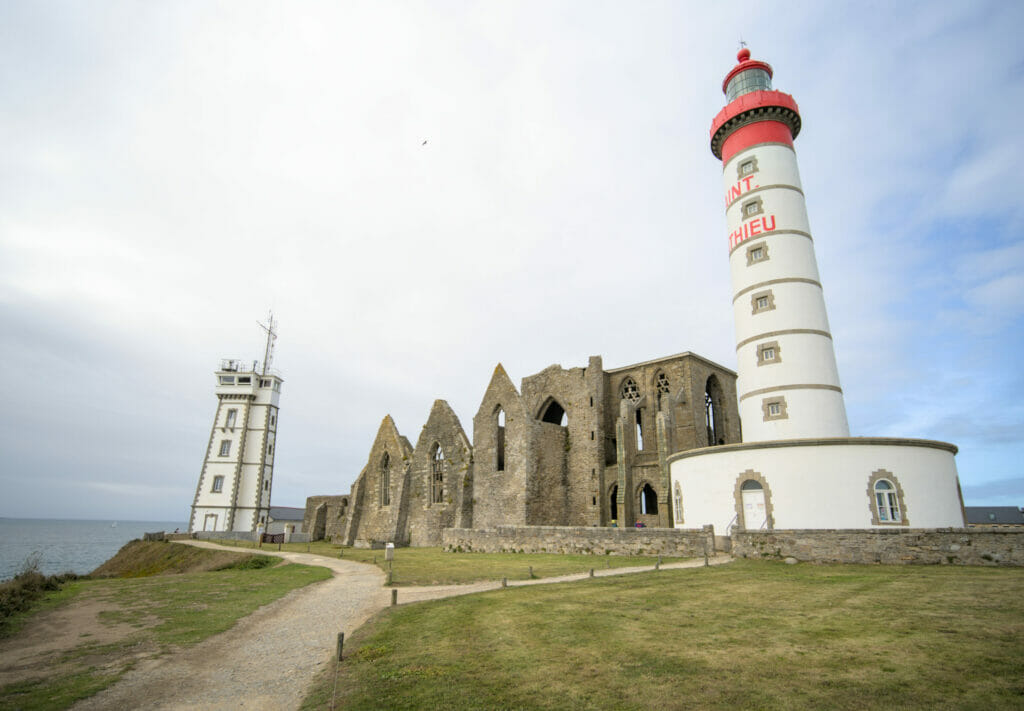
<point>378,516</point>
<point>426,517</point>
<point>549,474</point>
<point>326,517</point>
<point>580,393</point>
<point>582,540</point>
<point>893,546</point>
<point>499,495</point>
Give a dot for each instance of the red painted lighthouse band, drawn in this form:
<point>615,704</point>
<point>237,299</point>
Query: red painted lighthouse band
<point>754,133</point>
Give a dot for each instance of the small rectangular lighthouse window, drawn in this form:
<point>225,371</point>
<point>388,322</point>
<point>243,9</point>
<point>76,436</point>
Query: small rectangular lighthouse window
<point>218,484</point>
<point>768,353</point>
<point>232,415</point>
<point>774,408</point>
<point>752,207</point>
<point>762,301</point>
<point>746,167</point>
<point>225,447</point>
<point>757,253</point>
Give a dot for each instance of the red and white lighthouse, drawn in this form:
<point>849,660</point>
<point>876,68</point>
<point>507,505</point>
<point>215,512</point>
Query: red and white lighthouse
<point>788,384</point>
<point>797,467</point>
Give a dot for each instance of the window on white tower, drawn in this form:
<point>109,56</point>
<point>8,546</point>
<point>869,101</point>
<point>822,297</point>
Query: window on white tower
<point>225,447</point>
<point>762,302</point>
<point>232,416</point>
<point>218,484</point>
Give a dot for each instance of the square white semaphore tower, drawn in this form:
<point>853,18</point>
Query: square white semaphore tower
<point>235,482</point>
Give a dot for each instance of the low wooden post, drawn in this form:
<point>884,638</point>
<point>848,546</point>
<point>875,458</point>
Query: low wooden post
<point>394,597</point>
<point>591,572</point>
<point>341,644</point>
<point>531,572</point>
<point>389,577</point>
<point>504,582</point>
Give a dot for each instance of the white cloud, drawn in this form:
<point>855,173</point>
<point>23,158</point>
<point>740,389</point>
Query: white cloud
<point>173,171</point>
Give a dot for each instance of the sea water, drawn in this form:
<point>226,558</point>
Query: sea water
<point>68,545</point>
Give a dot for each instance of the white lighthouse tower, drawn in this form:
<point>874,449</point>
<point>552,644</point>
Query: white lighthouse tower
<point>233,493</point>
<point>797,467</point>
<point>788,384</point>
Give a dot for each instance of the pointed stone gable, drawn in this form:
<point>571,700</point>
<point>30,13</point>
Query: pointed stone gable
<point>440,490</point>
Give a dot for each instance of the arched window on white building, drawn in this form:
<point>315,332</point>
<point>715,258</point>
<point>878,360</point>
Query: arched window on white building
<point>887,505</point>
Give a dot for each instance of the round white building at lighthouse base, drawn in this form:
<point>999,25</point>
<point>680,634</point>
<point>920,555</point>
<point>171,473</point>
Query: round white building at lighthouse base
<point>842,482</point>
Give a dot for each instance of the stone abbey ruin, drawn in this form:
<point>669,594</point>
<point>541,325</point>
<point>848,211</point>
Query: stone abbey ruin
<point>582,447</point>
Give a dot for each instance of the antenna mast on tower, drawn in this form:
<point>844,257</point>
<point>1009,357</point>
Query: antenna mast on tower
<point>268,353</point>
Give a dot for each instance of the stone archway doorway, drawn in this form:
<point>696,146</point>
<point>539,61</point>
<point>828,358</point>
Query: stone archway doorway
<point>613,504</point>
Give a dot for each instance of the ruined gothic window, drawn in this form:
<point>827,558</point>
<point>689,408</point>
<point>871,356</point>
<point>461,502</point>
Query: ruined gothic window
<point>713,412</point>
<point>630,391</point>
<point>385,480</point>
<point>678,503</point>
<point>555,414</point>
<point>648,500</point>
<point>639,429</point>
<point>437,475</point>
<point>663,387</point>
<point>499,440</point>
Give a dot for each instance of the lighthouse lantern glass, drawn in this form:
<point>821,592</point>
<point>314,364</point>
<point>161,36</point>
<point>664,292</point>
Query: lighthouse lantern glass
<point>748,81</point>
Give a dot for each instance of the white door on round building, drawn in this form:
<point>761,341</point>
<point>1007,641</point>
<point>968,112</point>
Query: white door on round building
<point>754,513</point>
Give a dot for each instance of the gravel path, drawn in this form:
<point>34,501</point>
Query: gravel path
<point>269,659</point>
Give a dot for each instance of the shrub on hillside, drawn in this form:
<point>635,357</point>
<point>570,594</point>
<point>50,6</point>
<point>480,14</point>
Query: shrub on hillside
<point>254,562</point>
<point>18,594</point>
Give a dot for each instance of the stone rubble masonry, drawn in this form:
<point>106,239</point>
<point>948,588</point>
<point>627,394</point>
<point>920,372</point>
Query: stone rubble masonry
<point>325,517</point>
<point>550,475</point>
<point>687,543</point>
<point>891,546</point>
<point>423,518</point>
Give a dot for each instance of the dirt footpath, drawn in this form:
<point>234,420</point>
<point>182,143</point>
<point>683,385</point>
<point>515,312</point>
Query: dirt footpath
<point>268,659</point>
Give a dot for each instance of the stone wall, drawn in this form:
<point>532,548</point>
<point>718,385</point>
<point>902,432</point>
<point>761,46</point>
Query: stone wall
<point>894,546</point>
<point>579,539</point>
<point>433,506</point>
<point>325,517</point>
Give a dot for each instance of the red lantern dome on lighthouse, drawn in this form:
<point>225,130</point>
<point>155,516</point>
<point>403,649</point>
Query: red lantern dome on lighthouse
<point>755,113</point>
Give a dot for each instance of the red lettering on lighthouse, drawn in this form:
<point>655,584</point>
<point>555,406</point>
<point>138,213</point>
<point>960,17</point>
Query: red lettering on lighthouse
<point>743,185</point>
<point>758,225</point>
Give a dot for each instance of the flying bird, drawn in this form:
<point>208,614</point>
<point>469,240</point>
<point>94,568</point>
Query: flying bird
<point>424,142</point>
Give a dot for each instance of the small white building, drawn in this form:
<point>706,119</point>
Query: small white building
<point>285,519</point>
<point>235,483</point>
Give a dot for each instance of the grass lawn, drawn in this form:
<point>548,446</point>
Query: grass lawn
<point>161,613</point>
<point>749,635</point>
<point>432,566</point>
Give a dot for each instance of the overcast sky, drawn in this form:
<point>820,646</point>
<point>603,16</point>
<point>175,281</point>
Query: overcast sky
<point>171,171</point>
